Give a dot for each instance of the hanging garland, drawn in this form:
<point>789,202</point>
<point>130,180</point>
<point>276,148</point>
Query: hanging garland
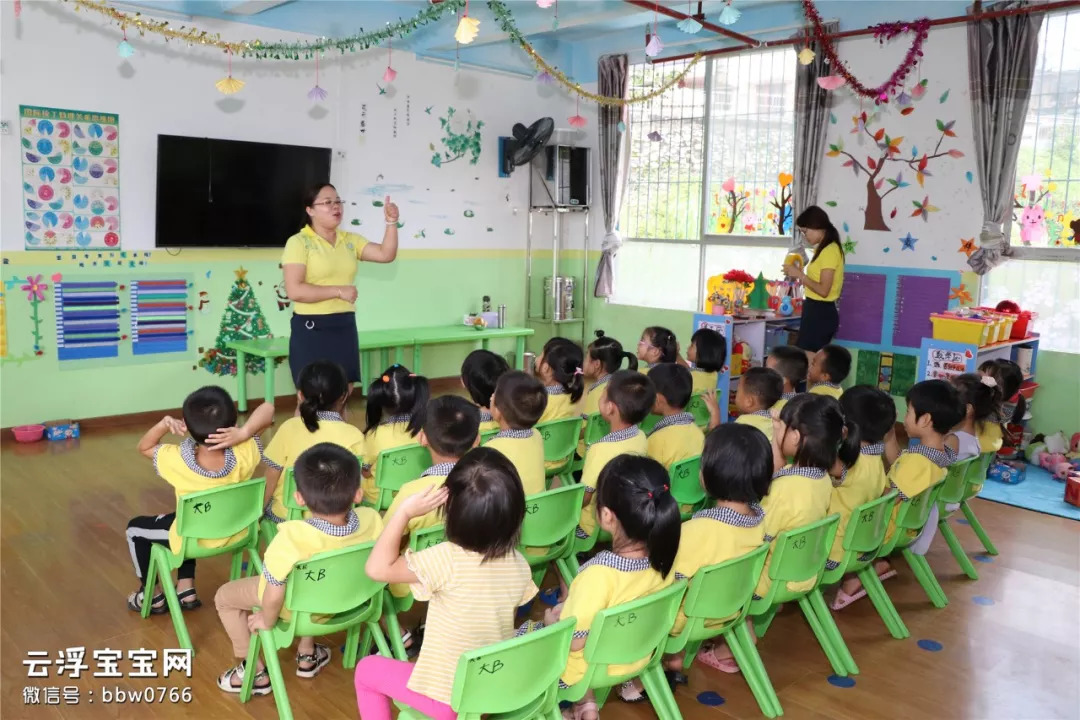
<point>882,32</point>
<point>506,22</point>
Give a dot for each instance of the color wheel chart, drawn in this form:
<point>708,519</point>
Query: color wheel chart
<point>87,320</point>
<point>159,316</point>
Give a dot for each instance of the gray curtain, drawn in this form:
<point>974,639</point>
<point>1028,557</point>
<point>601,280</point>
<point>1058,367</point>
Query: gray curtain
<point>811,127</point>
<point>1001,64</point>
<point>612,81</point>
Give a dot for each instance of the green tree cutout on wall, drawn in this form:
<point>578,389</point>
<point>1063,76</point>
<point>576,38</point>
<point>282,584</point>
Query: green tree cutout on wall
<point>457,145</point>
<point>243,320</point>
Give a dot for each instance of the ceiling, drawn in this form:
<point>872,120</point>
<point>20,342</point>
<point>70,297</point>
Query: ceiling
<point>586,28</point>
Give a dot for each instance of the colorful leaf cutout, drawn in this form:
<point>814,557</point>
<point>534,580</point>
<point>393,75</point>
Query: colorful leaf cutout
<point>892,214</point>
<point>832,118</point>
<point>944,97</point>
<point>970,176</point>
<point>879,134</point>
<point>871,162</point>
<point>831,203</point>
<point>908,110</point>
<point>956,154</point>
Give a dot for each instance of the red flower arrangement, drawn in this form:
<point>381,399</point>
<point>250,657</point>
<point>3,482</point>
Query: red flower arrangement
<point>739,276</point>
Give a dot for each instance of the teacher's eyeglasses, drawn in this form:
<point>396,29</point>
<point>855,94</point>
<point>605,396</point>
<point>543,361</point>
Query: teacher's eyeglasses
<point>331,203</point>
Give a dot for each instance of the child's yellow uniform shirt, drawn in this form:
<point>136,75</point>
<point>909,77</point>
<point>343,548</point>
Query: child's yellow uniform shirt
<point>782,401</point>
<point>913,472</point>
<point>293,438</point>
<point>559,405</point>
<point>830,258</point>
<point>989,436</point>
<point>798,496</point>
<point>300,540</point>
<point>630,441</point>
<point>487,422</point>
<point>715,535</point>
<point>827,388</point>
<point>525,449</point>
<point>471,604</point>
<point>325,264</point>
<point>387,435</point>
<point>675,438</point>
<point>603,582</point>
<point>862,482</point>
<point>593,395</point>
<point>762,420</point>
<point>176,465</point>
<point>703,380</point>
<point>433,477</point>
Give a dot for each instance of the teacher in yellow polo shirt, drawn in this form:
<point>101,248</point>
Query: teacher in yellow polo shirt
<point>823,279</point>
<point>319,264</point>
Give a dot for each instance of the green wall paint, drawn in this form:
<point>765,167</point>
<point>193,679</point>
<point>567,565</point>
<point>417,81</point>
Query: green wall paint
<point>1056,405</point>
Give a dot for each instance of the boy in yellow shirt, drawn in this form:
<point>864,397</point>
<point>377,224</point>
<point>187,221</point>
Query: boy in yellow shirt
<point>828,370</point>
<point>759,390</point>
<point>328,484</point>
<point>517,405</point>
<point>479,374</point>
<point>676,436</point>
<point>628,398</point>
<point>216,454</point>
<point>792,364</point>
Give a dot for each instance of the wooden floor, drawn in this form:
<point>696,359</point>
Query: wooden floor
<point>1010,642</point>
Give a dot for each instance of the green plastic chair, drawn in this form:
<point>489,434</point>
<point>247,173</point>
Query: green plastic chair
<point>516,679</point>
<point>596,427</point>
<point>649,422</point>
<point>395,467</point>
<point>685,478</point>
<point>862,541</point>
<point>720,591</point>
<point>799,555</point>
<point>960,489</point>
<point>551,519</point>
<point>910,520</point>
<point>560,443</point>
<point>207,515</point>
<point>332,583</point>
<point>699,410</point>
<point>418,540</point>
<point>625,634</point>
<point>485,436</point>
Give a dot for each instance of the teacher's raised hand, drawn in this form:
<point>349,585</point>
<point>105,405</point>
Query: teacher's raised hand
<point>390,212</point>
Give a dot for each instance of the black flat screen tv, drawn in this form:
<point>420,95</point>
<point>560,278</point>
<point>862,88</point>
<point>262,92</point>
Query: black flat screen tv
<point>231,193</point>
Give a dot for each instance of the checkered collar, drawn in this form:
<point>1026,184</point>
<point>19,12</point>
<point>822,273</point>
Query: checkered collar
<point>555,390</point>
<point>832,385</point>
<point>788,396</point>
<point>618,562</point>
<point>329,416</point>
<point>683,418</point>
<point>440,469</point>
<point>873,449</point>
<point>951,454</point>
<point>809,472</point>
<point>620,435</point>
<point>731,517</point>
<point>485,415</point>
<point>352,524</point>
<point>514,434</point>
<point>599,381</point>
<point>761,413</point>
<point>651,365</point>
<point>396,419</point>
<point>187,454</point>
<point>939,458</point>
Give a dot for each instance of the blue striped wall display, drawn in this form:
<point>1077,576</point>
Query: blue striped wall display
<point>87,320</point>
<point>159,316</point>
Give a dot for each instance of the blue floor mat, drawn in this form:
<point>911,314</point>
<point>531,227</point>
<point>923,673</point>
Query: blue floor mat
<point>1039,492</point>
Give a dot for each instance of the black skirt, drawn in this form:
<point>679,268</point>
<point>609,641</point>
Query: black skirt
<point>819,323</point>
<point>325,337</point>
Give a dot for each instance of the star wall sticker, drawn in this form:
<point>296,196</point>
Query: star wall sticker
<point>849,246</point>
<point>960,293</point>
<point>967,246</point>
<point>908,242</point>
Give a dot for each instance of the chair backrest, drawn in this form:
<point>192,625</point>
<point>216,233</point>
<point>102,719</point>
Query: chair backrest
<point>956,481</point>
<point>487,435</point>
<point>685,477</point>
<point>517,674</point>
<point>552,516</point>
<point>649,422</point>
<point>976,474</point>
<point>332,582</point>
<point>220,512</point>
<point>560,438</point>
<point>915,511</point>
<point>596,427</point>
<point>288,495</point>
<point>632,631</point>
<point>725,589</point>
<point>397,466</point>
<point>427,537</point>
<point>868,523</point>
<point>699,410</point>
<point>800,554</point>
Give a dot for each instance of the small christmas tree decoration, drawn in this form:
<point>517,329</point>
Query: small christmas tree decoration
<point>243,320</point>
<point>759,296</point>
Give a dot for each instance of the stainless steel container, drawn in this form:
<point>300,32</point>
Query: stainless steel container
<point>502,316</point>
<point>528,363</point>
<point>559,298</point>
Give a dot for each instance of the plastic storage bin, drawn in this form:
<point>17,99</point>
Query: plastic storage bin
<point>973,331</point>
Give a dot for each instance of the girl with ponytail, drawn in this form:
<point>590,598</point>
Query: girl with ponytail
<point>559,368</point>
<point>396,409</point>
<point>603,357</point>
<point>321,396</point>
<point>823,279</point>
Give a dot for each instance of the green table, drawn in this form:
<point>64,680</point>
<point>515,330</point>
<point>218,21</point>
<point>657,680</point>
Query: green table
<point>269,349</point>
<point>383,341</point>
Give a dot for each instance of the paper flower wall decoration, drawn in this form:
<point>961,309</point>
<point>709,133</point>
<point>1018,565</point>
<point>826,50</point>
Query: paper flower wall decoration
<point>317,94</point>
<point>729,15</point>
<point>545,3</point>
<point>390,74</point>
<point>806,56</point>
<point>467,30</point>
<point>545,78</point>
<point>831,82</point>
<point>690,26</point>
<point>125,49</point>
<point>228,84</point>
<point>654,47</point>
<point>577,120</point>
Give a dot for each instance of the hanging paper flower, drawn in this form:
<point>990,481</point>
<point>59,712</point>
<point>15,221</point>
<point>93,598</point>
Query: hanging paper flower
<point>655,136</point>
<point>654,47</point>
<point>389,75</point>
<point>317,94</point>
<point>729,15</point>
<point>831,82</point>
<point>806,56</point>
<point>125,49</point>
<point>689,26</point>
<point>903,98</point>
<point>18,9</point>
<point>228,84</point>
<point>467,30</point>
<point>578,121</point>
<point>545,78</point>
<point>545,3</point>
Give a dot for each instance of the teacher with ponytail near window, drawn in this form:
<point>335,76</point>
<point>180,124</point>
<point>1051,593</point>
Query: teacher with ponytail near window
<point>823,279</point>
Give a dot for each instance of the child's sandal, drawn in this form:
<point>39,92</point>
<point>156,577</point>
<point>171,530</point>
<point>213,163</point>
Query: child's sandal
<point>188,605</point>
<point>157,603</point>
<point>318,660</point>
<point>261,685</point>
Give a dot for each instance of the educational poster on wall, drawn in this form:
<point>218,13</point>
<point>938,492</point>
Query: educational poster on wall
<point>70,178</point>
<point>944,360</point>
<point>159,316</point>
<point>723,325</point>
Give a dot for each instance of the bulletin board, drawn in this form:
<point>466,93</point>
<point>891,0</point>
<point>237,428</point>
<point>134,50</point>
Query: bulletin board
<point>944,360</point>
<point>723,325</point>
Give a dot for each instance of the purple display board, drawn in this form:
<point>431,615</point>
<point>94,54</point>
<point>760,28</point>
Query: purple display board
<point>861,308</point>
<point>917,297</point>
